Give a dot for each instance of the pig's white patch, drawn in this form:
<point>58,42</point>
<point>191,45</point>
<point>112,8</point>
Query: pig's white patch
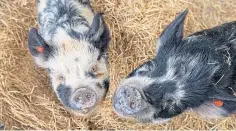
<point>170,76</point>
<point>42,5</point>
<point>192,38</point>
<point>62,37</point>
<point>178,95</point>
<point>170,71</point>
<point>40,62</point>
<point>158,42</point>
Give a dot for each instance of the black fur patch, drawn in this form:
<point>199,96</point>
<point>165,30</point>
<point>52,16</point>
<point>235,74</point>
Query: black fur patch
<point>64,93</point>
<point>106,84</point>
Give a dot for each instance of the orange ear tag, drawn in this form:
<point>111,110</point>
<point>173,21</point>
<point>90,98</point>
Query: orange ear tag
<point>218,103</point>
<point>40,49</point>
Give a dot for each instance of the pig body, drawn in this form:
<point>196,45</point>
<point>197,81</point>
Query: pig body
<point>187,73</point>
<point>74,42</point>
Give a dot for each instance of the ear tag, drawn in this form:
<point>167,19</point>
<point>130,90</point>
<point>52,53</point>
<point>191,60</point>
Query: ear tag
<point>218,103</point>
<point>40,49</point>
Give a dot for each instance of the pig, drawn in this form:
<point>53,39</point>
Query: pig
<point>195,73</point>
<point>71,42</point>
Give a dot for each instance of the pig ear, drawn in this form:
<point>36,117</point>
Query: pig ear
<point>173,33</point>
<point>38,48</point>
<point>99,33</point>
<point>36,44</point>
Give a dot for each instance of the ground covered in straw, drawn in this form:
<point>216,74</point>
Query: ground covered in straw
<point>26,98</point>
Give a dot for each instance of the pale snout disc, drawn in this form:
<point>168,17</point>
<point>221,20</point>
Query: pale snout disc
<point>127,100</point>
<point>84,98</point>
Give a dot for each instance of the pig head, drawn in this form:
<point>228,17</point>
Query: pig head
<point>196,72</point>
<point>71,43</point>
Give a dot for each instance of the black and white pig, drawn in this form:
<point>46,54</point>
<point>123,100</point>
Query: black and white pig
<point>72,43</point>
<point>197,72</point>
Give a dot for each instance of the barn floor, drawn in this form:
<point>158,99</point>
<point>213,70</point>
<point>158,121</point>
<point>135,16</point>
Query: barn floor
<point>26,98</point>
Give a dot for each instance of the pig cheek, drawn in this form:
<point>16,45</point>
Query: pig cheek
<point>57,80</point>
<point>100,70</point>
<point>209,110</point>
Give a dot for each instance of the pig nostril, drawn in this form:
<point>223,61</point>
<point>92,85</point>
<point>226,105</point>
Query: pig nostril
<point>88,96</point>
<point>61,78</point>
<point>126,93</point>
<point>132,105</point>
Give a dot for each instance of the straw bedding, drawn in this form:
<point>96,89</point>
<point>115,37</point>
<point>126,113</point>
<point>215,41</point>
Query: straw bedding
<point>26,98</point>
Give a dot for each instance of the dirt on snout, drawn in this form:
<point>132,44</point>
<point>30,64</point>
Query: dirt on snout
<point>26,98</point>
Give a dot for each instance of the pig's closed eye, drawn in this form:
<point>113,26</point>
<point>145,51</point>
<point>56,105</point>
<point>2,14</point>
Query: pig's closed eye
<point>145,69</point>
<point>142,72</point>
<point>169,102</point>
<point>50,70</point>
<point>96,71</point>
<point>61,78</point>
<point>95,68</point>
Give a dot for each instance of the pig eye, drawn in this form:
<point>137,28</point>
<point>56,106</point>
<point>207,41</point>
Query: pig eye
<point>61,78</point>
<point>169,102</point>
<point>99,85</point>
<point>95,68</point>
<point>49,70</point>
<point>142,72</point>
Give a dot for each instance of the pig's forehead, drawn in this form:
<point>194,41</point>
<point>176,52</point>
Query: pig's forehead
<point>75,53</point>
<point>137,81</point>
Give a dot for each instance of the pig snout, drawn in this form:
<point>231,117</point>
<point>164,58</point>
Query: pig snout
<point>84,98</point>
<point>127,100</point>
<point>79,99</point>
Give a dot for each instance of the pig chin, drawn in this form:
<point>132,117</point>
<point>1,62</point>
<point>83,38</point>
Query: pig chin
<point>161,120</point>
